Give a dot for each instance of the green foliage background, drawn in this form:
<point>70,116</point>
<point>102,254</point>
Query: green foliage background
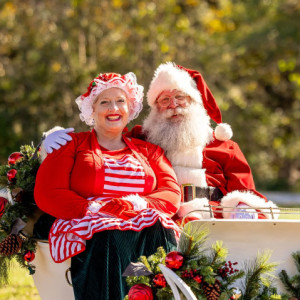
<point>248,52</point>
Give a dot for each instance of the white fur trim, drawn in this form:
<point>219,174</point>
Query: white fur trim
<point>193,176</point>
<point>43,152</point>
<point>169,77</point>
<point>56,128</point>
<point>188,158</point>
<point>223,132</point>
<point>94,206</point>
<point>138,202</point>
<point>196,204</point>
<point>234,198</point>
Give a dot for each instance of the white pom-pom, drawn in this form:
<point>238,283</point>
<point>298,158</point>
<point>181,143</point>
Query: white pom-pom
<point>223,132</point>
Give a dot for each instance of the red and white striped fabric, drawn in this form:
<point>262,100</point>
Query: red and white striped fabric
<point>123,175</point>
<point>68,238</point>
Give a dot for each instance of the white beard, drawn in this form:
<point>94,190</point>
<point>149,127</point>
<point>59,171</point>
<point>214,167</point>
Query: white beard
<point>194,131</point>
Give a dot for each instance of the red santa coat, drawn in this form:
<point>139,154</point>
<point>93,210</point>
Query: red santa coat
<point>227,168</point>
<point>220,164</point>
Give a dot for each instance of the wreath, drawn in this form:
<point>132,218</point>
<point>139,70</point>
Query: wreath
<point>18,210</point>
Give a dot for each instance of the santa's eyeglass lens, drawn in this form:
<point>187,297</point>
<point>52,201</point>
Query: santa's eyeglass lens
<point>165,101</point>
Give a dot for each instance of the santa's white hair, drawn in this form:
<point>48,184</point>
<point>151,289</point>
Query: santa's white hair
<point>193,131</point>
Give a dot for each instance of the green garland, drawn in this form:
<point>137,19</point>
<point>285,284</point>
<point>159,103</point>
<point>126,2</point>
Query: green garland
<point>202,267</point>
<point>20,206</point>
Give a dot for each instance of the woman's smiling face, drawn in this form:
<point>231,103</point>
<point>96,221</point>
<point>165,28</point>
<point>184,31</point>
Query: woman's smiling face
<point>111,111</point>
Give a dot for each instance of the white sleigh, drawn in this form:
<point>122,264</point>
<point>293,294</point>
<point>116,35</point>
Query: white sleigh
<point>50,278</point>
<point>243,238</point>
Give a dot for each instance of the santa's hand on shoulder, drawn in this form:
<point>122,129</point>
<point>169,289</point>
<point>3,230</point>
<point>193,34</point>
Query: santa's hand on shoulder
<point>199,207</point>
<point>243,211</point>
<point>57,138</point>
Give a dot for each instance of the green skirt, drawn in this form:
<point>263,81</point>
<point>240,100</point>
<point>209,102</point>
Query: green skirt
<point>97,272</point>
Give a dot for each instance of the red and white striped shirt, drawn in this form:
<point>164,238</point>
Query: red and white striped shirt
<point>123,175</point>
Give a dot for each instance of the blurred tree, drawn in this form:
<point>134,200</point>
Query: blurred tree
<point>258,67</point>
<point>247,51</point>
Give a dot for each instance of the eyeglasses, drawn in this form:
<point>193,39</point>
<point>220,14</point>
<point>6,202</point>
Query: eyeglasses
<point>179,99</point>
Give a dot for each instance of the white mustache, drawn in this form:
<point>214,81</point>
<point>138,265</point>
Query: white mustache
<point>175,111</point>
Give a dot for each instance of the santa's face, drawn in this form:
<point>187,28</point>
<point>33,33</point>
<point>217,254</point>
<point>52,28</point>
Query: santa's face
<point>172,103</point>
<point>178,128</point>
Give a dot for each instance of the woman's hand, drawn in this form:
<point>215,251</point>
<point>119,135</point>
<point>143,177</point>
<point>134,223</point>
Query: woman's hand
<point>138,202</point>
<point>116,207</point>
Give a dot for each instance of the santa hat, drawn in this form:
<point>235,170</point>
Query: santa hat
<point>169,76</point>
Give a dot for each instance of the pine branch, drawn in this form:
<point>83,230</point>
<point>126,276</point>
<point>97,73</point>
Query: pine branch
<point>285,279</point>
<point>192,239</point>
<point>258,275</point>
<point>219,253</point>
<point>269,293</point>
<point>292,284</point>
<point>296,257</point>
<point>229,280</point>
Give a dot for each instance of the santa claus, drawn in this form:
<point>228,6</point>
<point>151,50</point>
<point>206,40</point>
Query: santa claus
<point>182,107</point>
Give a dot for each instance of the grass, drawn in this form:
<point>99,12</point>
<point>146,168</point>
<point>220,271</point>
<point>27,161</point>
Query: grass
<point>20,286</point>
<point>291,214</point>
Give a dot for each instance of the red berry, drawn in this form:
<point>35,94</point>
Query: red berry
<point>198,278</point>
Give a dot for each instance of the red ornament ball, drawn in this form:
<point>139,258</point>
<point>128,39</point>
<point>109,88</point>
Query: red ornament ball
<point>140,292</point>
<point>14,158</point>
<point>174,260</point>
<point>11,174</point>
<point>29,256</point>
<point>3,202</point>
<point>159,280</point>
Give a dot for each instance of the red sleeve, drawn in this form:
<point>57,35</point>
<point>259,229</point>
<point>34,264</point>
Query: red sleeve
<point>52,188</point>
<point>238,173</point>
<point>166,197</point>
